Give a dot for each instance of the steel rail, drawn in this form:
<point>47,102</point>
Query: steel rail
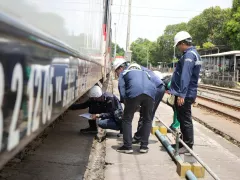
<point>220,89</point>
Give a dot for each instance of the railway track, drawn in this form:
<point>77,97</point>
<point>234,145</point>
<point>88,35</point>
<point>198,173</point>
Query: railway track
<point>230,111</point>
<point>227,105</point>
<point>219,94</point>
<point>227,110</point>
<point>237,108</point>
<point>229,91</point>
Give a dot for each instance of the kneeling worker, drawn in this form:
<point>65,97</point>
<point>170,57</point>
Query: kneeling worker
<point>105,108</point>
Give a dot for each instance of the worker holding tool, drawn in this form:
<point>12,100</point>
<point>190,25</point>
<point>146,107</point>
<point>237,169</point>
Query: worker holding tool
<point>184,85</point>
<point>175,125</point>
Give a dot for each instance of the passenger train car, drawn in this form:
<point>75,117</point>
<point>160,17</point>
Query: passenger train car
<point>51,53</point>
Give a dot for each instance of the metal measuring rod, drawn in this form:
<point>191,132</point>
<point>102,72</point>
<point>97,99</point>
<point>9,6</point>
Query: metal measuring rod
<point>178,135</point>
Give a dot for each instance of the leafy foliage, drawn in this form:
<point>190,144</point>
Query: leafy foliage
<point>140,51</point>
<point>213,27</point>
<point>232,27</point>
<point>120,51</point>
<point>208,45</point>
<point>209,26</point>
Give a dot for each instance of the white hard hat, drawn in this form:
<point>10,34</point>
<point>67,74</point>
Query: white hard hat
<point>134,66</point>
<point>158,74</point>
<point>180,36</point>
<point>118,62</point>
<point>95,92</point>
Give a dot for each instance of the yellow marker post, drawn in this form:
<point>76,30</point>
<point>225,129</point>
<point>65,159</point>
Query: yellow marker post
<point>182,168</point>
<point>155,126</point>
<point>198,170</point>
<point>163,130</point>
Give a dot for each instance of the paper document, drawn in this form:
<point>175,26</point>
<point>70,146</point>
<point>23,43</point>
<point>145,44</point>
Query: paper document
<point>86,115</point>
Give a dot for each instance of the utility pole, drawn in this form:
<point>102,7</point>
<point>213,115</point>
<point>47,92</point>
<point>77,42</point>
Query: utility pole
<point>115,48</point>
<point>174,57</point>
<point>128,52</point>
<point>146,48</point>
<point>147,56</point>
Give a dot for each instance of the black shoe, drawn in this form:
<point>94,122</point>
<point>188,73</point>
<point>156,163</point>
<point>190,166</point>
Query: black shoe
<point>119,135</point>
<point>124,149</point>
<point>182,150</point>
<point>144,149</point>
<point>89,130</point>
<point>179,146</point>
<point>135,141</point>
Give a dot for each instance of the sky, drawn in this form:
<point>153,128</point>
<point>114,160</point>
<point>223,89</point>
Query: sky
<point>157,15</point>
<point>73,17</point>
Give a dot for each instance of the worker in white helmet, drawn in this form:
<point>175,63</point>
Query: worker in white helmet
<point>105,108</point>
<point>136,89</point>
<point>119,64</point>
<point>184,85</point>
<point>160,89</point>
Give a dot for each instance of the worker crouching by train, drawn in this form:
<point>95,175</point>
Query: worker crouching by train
<point>105,108</point>
<point>136,89</point>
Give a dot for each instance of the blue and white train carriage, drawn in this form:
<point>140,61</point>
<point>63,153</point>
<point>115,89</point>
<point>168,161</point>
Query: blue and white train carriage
<point>51,53</point>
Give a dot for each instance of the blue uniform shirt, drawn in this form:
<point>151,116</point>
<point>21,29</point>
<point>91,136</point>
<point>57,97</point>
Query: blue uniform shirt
<point>109,108</point>
<point>154,78</point>
<point>133,83</point>
<point>184,81</point>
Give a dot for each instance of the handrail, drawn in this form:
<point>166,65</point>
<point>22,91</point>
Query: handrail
<point>190,175</point>
<point>192,153</point>
<point>170,150</point>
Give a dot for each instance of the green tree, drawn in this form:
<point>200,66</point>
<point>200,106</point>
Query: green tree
<point>120,51</point>
<point>232,27</point>
<point>212,27</point>
<point>209,26</point>
<point>162,50</point>
<point>141,49</point>
<point>208,45</point>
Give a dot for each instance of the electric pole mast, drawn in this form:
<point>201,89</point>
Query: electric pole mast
<point>128,52</point>
<point>115,47</point>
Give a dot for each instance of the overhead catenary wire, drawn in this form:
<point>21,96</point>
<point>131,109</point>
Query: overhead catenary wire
<point>143,15</point>
<point>120,5</point>
<point>165,9</point>
<point>120,19</point>
<point>146,15</point>
<point>120,12</point>
<point>120,24</point>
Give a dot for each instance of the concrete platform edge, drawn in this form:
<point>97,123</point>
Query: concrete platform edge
<point>96,163</point>
<point>217,131</point>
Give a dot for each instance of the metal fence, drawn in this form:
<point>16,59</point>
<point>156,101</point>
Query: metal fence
<point>226,79</point>
<point>163,70</point>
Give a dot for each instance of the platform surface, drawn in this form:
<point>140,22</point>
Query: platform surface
<point>220,155</point>
<point>63,155</point>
